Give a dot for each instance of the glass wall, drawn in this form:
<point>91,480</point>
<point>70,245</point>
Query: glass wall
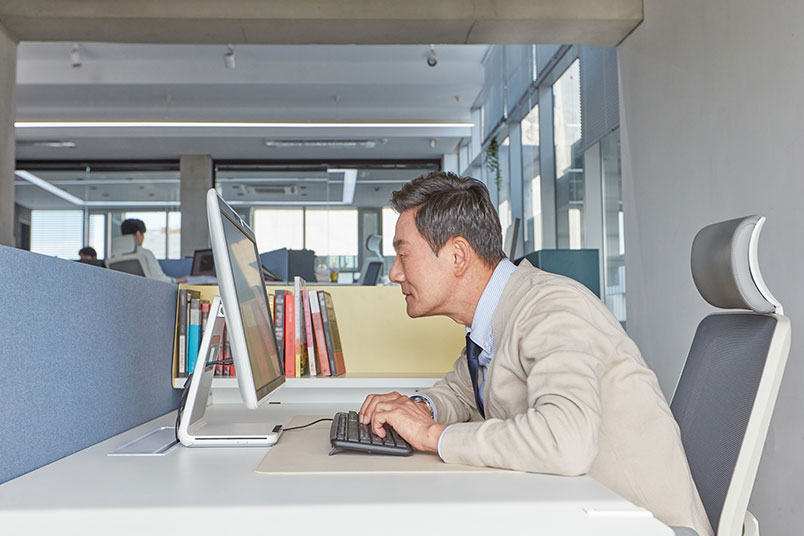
<point>568,158</point>
<point>614,239</point>
<point>531,182</point>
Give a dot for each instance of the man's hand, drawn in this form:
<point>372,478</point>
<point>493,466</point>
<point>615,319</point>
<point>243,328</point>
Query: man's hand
<point>410,419</point>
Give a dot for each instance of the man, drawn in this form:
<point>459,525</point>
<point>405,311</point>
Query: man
<point>88,255</point>
<point>561,387</point>
<point>136,227</point>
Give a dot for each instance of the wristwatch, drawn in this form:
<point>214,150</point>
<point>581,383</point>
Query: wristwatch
<point>420,398</point>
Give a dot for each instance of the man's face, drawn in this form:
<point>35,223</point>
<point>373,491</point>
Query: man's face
<point>425,278</point>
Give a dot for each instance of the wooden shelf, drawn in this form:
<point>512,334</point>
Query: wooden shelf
<point>347,381</point>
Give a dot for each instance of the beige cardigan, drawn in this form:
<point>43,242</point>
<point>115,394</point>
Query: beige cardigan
<point>568,393</point>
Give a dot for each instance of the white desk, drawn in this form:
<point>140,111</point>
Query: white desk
<point>217,492</point>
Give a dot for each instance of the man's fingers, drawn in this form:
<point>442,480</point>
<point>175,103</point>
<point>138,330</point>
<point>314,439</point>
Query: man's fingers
<point>369,406</point>
<point>378,423</point>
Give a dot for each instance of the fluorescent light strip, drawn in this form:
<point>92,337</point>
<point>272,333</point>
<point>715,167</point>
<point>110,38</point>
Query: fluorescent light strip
<point>43,184</point>
<point>205,124</point>
<point>349,183</point>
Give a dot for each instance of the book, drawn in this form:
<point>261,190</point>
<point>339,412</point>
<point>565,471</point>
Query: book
<point>221,353</point>
<point>191,294</point>
<point>340,366</point>
<point>279,326</point>
<point>193,334</point>
<point>181,339</point>
<point>271,306</point>
<point>327,332</point>
<point>299,346</point>
<point>205,306</point>
<point>290,346</point>
<point>308,330</point>
<point>318,329</point>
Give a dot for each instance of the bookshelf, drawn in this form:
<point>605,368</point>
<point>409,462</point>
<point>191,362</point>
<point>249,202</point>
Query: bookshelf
<point>382,346</point>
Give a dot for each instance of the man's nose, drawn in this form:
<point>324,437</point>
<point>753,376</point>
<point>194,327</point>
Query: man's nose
<point>396,275</point>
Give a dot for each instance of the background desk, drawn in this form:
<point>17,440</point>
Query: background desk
<point>217,492</point>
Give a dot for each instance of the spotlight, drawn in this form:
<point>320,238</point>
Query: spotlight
<point>433,143</point>
<point>432,60</point>
<point>229,58</point>
<point>75,56</point>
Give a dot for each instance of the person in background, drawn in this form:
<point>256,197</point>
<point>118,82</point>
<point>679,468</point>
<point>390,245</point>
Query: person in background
<point>548,383</point>
<point>88,255</point>
<point>137,228</point>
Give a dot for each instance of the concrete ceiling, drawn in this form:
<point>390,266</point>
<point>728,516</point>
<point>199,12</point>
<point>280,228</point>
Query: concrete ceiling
<point>592,22</point>
<point>295,83</point>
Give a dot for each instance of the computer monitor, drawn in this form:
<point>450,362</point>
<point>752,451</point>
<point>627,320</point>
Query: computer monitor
<point>245,303</point>
<point>371,273</point>
<point>203,262</point>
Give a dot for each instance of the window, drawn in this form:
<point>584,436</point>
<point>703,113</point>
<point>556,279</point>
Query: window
<point>155,231</point>
<point>97,234</point>
<point>569,167</point>
<point>532,182</point>
<point>389,217</point>
<point>613,236</point>
<point>279,228</point>
<point>331,232</point>
<point>57,232</point>
<point>504,192</point>
<point>174,235</point>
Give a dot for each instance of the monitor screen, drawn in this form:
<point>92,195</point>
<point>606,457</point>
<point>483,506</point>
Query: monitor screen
<point>372,273</point>
<point>248,321</point>
<point>203,262</point>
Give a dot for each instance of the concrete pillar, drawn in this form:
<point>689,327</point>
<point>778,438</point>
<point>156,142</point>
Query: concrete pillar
<point>8,79</point>
<point>449,162</point>
<point>197,176</point>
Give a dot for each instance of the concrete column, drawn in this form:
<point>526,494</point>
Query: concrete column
<point>197,176</point>
<point>449,162</point>
<point>8,79</point>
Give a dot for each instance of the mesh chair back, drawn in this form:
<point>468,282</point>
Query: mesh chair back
<point>129,266</point>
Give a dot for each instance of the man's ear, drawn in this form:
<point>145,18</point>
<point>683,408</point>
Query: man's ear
<point>462,255</point>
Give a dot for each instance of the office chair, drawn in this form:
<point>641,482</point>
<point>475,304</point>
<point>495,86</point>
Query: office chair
<point>372,266</point>
<point>127,257</point>
<point>725,396</point>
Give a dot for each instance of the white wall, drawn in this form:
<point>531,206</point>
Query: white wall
<point>713,128</point>
<point>8,76</point>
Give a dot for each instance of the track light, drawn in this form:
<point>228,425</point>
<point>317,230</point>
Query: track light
<point>433,143</point>
<point>229,57</point>
<point>75,56</point>
<point>432,60</point>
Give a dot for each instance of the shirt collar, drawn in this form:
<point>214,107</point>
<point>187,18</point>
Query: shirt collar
<point>481,332</point>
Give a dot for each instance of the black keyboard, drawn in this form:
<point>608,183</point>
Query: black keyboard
<point>348,432</point>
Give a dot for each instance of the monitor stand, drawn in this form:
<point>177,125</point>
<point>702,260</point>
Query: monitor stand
<point>195,430</point>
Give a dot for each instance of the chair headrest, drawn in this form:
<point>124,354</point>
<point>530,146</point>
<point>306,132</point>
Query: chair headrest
<point>725,266</point>
<point>373,244</point>
<point>122,245</point>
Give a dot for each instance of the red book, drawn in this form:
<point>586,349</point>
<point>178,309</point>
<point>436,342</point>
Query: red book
<point>320,341</point>
<point>290,337</point>
<point>221,353</point>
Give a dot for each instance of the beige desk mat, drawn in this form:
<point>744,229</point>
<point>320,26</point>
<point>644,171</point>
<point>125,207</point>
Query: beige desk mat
<point>307,451</point>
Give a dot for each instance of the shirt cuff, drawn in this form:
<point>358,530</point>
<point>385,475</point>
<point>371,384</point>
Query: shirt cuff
<point>439,440</point>
<point>426,400</point>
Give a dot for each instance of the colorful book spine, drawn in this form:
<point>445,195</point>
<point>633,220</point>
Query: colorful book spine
<point>327,333</point>
<point>320,341</point>
<point>221,353</point>
<point>279,326</point>
<point>290,346</point>
<point>308,332</point>
<point>340,366</point>
<point>181,340</point>
<point>193,334</point>
<point>298,328</point>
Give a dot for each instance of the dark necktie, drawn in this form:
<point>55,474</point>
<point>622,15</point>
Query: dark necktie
<point>472,353</point>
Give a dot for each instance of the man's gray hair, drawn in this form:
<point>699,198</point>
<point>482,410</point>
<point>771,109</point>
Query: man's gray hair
<point>448,206</point>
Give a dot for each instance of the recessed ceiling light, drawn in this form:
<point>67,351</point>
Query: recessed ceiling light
<point>341,144</point>
<point>51,144</point>
<point>223,124</point>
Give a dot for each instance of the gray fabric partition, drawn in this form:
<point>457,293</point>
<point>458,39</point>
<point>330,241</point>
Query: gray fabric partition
<point>85,354</point>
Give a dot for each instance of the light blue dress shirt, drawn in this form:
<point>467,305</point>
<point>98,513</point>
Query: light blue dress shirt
<point>481,331</point>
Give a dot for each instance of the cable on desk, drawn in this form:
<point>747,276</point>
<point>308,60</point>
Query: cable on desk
<point>305,425</point>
